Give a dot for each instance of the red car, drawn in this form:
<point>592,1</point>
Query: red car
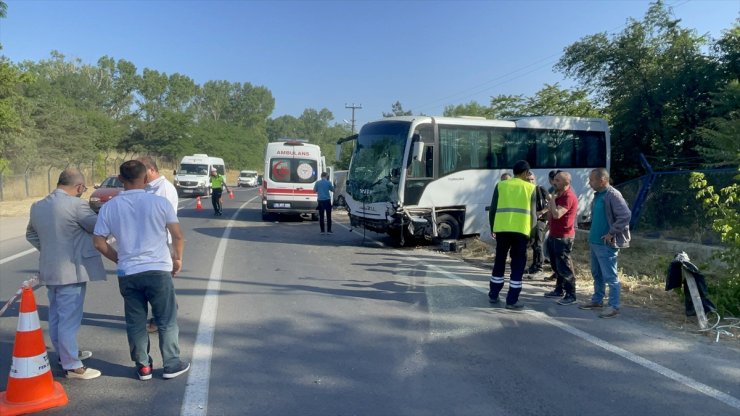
<point>103,193</point>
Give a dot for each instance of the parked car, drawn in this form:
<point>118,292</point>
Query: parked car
<point>103,193</point>
<point>247,178</point>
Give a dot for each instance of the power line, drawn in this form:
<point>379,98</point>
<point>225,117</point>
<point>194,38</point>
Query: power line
<point>510,76</point>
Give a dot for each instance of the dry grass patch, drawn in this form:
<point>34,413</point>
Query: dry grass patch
<point>20,208</point>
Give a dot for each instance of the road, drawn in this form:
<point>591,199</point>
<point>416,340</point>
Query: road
<point>280,320</point>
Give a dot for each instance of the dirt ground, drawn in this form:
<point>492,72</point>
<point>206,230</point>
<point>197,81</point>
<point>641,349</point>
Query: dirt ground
<point>17,208</point>
<point>642,270</point>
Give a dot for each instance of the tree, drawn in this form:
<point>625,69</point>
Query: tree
<point>470,109</point>
<point>550,100</point>
<point>397,110</point>
<point>655,83</point>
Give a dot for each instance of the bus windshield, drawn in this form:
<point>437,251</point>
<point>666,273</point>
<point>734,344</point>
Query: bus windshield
<point>377,160</point>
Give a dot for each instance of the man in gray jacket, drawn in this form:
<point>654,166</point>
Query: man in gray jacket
<point>61,228</point>
<point>610,221</point>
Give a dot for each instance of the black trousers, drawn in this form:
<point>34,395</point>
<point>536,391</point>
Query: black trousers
<point>536,241</point>
<point>325,209</point>
<point>216,200</point>
<point>514,244</point>
<point>559,250</point>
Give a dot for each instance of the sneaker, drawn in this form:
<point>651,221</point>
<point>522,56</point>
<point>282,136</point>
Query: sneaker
<point>82,355</point>
<point>151,327</point>
<point>330,232</point>
<point>567,300</point>
<point>609,313</point>
<point>144,371</point>
<point>515,306</point>
<point>176,371</point>
<point>591,305</point>
<point>550,277</point>
<point>554,294</point>
<point>493,300</point>
<point>322,233</point>
<point>83,373</point>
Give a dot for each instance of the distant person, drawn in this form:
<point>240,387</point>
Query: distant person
<point>511,217</point>
<point>563,208</point>
<point>157,184</point>
<point>61,227</point>
<point>218,183</point>
<point>537,238</point>
<point>505,176</point>
<point>146,267</point>
<point>610,219</point>
<point>550,190</point>
<point>323,187</point>
<point>551,180</point>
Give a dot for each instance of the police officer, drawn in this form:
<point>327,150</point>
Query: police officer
<point>511,217</point>
<point>218,182</point>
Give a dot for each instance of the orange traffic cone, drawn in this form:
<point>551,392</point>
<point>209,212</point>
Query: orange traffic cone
<point>198,205</point>
<point>31,386</point>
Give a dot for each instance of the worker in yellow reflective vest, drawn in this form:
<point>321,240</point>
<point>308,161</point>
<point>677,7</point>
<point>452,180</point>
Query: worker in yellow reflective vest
<point>511,216</point>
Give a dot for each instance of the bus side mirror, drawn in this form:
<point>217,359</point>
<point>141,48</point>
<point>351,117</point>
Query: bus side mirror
<point>339,152</point>
<point>417,152</point>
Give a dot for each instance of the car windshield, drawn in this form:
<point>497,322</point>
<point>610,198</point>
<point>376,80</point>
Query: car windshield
<point>193,169</point>
<point>376,162</point>
<point>247,175</point>
<point>111,182</point>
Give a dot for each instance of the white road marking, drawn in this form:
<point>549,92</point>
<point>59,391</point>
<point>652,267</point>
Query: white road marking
<point>667,372</point>
<point>17,256</point>
<point>195,398</point>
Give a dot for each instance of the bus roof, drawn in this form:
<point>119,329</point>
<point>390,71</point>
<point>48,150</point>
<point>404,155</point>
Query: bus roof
<point>534,122</point>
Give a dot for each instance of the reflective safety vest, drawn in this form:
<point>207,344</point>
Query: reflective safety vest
<point>217,182</point>
<point>514,207</point>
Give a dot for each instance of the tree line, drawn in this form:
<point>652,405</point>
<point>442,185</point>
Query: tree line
<point>667,92</point>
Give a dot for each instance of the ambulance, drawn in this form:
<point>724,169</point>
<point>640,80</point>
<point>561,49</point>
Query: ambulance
<point>292,166</point>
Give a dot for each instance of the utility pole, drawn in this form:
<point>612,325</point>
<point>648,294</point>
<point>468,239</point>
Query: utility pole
<point>353,107</point>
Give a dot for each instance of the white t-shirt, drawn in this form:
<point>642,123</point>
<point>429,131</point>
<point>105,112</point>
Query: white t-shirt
<point>138,221</point>
<point>162,187</point>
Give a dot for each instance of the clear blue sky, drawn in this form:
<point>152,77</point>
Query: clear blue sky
<point>316,54</point>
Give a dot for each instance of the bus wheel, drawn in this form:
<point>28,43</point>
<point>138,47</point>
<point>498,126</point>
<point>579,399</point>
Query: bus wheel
<point>447,227</point>
<point>314,217</point>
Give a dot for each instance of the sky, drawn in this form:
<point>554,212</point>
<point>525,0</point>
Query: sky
<point>334,54</point>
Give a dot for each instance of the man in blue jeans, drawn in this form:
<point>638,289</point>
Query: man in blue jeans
<point>140,221</point>
<point>323,190</point>
<point>610,220</point>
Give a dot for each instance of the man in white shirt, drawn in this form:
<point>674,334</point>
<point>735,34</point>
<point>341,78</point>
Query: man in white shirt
<point>157,184</point>
<point>146,266</point>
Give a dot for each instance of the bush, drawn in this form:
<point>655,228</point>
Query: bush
<point>722,208</point>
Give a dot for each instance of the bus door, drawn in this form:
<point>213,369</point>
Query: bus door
<point>420,173</point>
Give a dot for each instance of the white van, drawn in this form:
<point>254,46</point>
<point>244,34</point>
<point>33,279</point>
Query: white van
<point>192,177</point>
<point>291,169</point>
<point>247,178</point>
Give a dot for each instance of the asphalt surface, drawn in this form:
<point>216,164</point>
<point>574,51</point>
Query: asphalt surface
<point>280,320</point>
